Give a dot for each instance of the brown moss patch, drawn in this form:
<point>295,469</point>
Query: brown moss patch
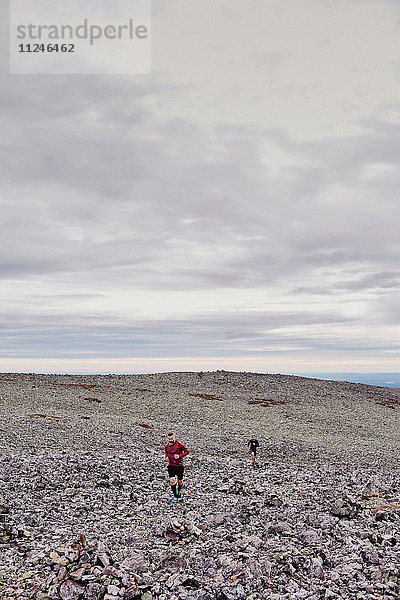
<point>389,402</point>
<point>85,417</point>
<point>41,416</point>
<point>93,399</point>
<point>266,402</point>
<point>384,506</point>
<point>85,386</point>
<point>205,396</point>
<point>142,389</point>
<point>146,426</point>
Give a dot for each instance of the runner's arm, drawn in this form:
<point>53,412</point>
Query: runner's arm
<point>183,451</point>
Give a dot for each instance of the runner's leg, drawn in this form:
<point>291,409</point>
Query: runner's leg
<point>180,481</point>
<point>173,486</point>
<point>172,481</point>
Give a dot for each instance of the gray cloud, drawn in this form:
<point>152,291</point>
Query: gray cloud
<point>380,281</point>
<point>97,186</point>
<point>269,59</point>
<point>224,334</point>
<point>106,191</point>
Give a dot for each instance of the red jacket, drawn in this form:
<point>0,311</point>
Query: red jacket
<point>175,448</point>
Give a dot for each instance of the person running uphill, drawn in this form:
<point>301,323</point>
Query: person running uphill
<point>253,445</point>
<point>174,454</point>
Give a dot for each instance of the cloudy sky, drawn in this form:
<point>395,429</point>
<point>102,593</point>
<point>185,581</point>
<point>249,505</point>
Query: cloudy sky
<point>237,208</point>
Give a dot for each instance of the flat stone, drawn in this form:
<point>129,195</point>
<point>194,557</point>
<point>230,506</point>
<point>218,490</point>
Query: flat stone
<point>71,590</point>
<point>113,590</point>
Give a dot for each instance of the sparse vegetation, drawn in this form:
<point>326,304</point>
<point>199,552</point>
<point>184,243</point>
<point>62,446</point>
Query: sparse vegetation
<point>389,402</point>
<point>85,386</point>
<point>205,396</point>
<point>265,402</point>
<point>41,416</point>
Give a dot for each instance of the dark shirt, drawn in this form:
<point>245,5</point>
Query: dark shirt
<point>253,445</point>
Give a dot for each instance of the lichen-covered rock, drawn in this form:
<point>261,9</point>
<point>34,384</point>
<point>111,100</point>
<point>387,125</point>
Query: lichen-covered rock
<point>343,508</point>
<point>71,590</point>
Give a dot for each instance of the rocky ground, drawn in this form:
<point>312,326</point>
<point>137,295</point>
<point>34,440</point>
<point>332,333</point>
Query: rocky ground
<point>85,504</point>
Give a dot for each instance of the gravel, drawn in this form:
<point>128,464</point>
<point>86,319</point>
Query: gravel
<point>85,502</point>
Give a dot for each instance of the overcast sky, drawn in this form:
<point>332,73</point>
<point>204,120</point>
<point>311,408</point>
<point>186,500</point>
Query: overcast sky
<point>238,208</point>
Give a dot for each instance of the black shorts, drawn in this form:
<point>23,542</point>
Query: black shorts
<point>175,470</point>
<point>253,451</point>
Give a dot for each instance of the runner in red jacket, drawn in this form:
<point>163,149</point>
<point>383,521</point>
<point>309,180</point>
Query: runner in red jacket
<point>174,453</point>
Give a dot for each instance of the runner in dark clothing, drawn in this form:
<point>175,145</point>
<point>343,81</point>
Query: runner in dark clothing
<point>174,454</point>
<point>253,445</point>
